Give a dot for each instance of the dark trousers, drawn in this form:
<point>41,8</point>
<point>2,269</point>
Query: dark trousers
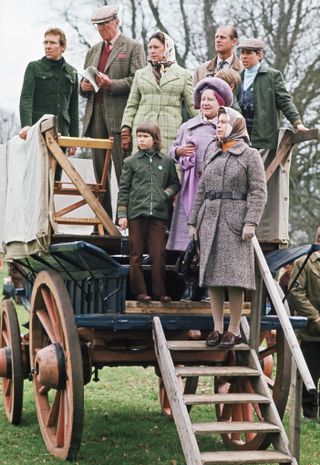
<point>150,231</point>
<point>311,402</point>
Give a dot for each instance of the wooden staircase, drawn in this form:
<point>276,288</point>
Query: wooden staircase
<point>247,367</point>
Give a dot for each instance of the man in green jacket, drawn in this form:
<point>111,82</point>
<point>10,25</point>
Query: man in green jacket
<point>304,300</point>
<point>262,96</point>
<point>50,86</point>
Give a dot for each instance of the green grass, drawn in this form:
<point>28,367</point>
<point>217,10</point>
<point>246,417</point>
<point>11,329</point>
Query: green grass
<point>123,425</point>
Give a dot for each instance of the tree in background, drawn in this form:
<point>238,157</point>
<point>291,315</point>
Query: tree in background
<point>8,125</point>
<point>290,30</point>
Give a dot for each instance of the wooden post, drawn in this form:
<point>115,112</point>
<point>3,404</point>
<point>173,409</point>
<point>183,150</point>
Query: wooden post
<point>283,317</point>
<point>256,306</point>
<point>83,189</point>
<point>295,412</point>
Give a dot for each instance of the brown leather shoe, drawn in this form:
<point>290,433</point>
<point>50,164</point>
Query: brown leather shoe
<point>213,338</point>
<point>162,298</point>
<point>143,298</point>
<point>229,340</point>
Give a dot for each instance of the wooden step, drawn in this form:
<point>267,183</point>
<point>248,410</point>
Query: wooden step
<point>242,457</point>
<point>222,427</point>
<point>200,345</point>
<point>226,371</point>
<point>234,398</point>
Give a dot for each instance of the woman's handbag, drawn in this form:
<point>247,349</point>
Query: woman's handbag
<point>187,265</point>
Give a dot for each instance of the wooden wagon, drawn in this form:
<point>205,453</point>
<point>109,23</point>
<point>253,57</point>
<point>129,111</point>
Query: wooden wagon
<point>82,319</point>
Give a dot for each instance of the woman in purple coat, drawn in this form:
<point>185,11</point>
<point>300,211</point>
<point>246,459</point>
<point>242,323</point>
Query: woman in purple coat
<point>194,141</point>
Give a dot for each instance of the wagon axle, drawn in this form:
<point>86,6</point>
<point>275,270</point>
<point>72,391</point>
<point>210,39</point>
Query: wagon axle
<point>50,367</point>
<point>5,363</point>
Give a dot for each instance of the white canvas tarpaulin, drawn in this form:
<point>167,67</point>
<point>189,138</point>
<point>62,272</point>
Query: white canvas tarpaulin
<point>24,195</point>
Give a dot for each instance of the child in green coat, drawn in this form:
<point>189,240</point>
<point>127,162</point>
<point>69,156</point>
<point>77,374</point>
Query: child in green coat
<point>148,182</point>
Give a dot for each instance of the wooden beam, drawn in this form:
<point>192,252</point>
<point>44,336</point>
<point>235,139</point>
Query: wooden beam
<point>181,417</point>
<point>312,134</point>
<point>50,123</point>
<point>282,154</point>
<point>295,412</point>
<point>86,142</point>
<point>70,208</point>
<point>77,180</point>
<point>283,317</point>
<point>256,307</point>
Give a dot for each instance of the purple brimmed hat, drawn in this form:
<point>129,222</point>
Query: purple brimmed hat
<point>220,87</point>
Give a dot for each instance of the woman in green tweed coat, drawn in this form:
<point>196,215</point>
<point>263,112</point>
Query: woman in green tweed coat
<point>157,94</point>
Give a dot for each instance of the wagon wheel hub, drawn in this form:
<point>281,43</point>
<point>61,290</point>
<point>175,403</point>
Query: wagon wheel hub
<point>50,367</point>
<point>5,363</point>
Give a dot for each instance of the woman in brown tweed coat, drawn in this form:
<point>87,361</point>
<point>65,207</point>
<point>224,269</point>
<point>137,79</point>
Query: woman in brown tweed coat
<point>227,208</point>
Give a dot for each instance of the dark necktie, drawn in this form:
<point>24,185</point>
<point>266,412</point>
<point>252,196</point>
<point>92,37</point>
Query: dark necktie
<point>221,65</point>
<point>101,67</point>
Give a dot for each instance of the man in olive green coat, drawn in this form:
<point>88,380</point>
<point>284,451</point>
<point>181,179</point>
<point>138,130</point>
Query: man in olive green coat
<point>262,96</point>
<point>304,300</point>
<point>50,86</point>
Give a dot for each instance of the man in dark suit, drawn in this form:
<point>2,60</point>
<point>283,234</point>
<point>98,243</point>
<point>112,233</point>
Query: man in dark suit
<point>117,58</point>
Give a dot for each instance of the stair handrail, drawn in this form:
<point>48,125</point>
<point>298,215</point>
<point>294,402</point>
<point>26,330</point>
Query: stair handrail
<point>286,326</point>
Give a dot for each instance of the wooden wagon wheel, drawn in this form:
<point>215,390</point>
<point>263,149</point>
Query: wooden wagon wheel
<point>56,366</point>
<point>11,363</point>
<point>188,385</point>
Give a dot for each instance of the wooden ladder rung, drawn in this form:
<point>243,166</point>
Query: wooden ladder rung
<point>74,220</point>
<point>243,457</point>
<point>200,345</point>
<point>225,371</point>
<point>225,427</point>
<point>234,398</point>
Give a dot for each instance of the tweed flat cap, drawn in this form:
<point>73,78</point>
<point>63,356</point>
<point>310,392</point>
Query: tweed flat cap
<point>217,85</point>
<point>105,14</point>
<point>251,44</point>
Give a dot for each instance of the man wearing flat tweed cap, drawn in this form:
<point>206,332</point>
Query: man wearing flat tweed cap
<point>116,57</point>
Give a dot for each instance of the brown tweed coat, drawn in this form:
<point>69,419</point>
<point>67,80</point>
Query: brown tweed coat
<point>209,68</point>
<point>126,57</point>
<point>226,260</point>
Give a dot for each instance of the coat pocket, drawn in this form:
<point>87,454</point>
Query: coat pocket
<point>45,82</point>
<point>235,213</point>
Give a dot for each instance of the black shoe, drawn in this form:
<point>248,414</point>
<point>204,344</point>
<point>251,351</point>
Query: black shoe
<point>189,291</point>
<point>205,295</point>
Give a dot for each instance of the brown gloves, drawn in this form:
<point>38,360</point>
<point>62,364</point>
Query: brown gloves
<point>248,231</point>
<point>126,139</point>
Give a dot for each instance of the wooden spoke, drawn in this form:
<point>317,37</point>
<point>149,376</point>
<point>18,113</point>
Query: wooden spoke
<point>61,420</point>
<point>54,410</point>
<point>52,313</point>
<point>12,388</point>
<point>47,324</point>
<point>188,386</point>
<point>7,385</point>
<point>59,390</point>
